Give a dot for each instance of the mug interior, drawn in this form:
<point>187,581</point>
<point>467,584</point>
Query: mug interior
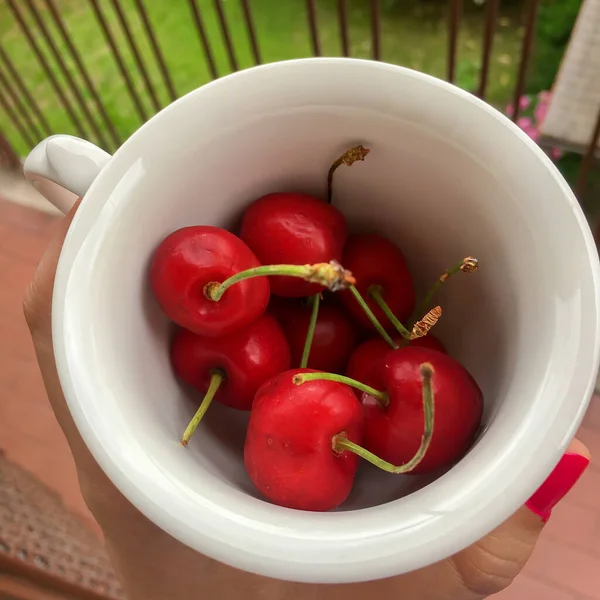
<point>447,177</point>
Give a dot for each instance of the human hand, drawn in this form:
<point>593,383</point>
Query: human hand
<point>154,566</point>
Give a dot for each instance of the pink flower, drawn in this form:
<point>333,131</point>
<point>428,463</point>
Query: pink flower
<point>556,153</point>
<point>533,133</point>
<point>524,102</point>
<point>526,124</point>
<point>541,108</point>
<point>544,97</point>
<point>540,112</point>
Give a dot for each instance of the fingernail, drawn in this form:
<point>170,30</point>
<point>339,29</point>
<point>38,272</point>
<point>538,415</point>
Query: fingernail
<point>557,486</point>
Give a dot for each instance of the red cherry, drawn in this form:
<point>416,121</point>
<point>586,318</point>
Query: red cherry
<point>282,309</point>
<point>427,341</point>
<point>394,432</point>
<point>334,339</point>
<point>377,262</point>
<point>290,228</point>
<point>367,361</point>
<point>247,358</point>
<point>289,451</point>
<point>190,258</point>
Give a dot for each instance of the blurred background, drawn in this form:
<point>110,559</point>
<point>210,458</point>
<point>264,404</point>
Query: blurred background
<point>98,69</point>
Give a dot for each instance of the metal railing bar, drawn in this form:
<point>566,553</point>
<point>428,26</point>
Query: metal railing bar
<point>525,56</point>
<point>455,16</point>
<point>66,73</point>
<point>119,60</point>
<point>135,51</point>
<point>376,29</point>
<point>343,23</point>
<point>16,121</point>
<point>156,48</point>
<point>75,55</point>
<point>489,32</point>
<point>7,150</point>
<point>247,9</point>
<point>218,4</point>
<point>14,74</point>
<point>313,26</point>
<point>47,68</point>
<point>208,54</point>
<point>19,106</point>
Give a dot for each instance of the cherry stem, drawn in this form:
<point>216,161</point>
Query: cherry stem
<point>310,334</point>
<point>341,442</point>
<point>374,320</point>
<point>217,377</point>
<point>348,158</point>
<point>422,327</point>
<point>467,265</point>
<point>301,378</point>
<point>375,291</point>
<point>330,275</point>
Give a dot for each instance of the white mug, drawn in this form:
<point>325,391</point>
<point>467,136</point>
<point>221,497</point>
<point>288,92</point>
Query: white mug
<point>448,176</point>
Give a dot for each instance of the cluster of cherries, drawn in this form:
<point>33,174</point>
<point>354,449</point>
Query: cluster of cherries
<point>270,321</point>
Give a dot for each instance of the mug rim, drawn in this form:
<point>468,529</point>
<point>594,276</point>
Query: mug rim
<point>162,508</point>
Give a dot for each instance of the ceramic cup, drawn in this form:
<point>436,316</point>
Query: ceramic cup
<point>447,176</point>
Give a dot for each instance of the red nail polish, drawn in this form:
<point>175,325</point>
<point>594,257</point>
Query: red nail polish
<point>557,486</point>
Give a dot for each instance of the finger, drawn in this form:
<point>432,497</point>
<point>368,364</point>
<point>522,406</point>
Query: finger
<point>38,297</point>
<point>37,307</point>
<point>104,500</point>
<point>490,565</point>
<point>564,476</point>
<point>483,569</point>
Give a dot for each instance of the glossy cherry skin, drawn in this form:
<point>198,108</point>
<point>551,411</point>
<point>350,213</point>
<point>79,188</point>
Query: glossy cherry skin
<point>288,452</point>
<point>334,339</point>
<point>374,260</point>
<point>248,357</point>
<point>394,432</point>
<point>190,258</point>
<point>367,361</point>
<point>428,341</point>
<point>291,228</point>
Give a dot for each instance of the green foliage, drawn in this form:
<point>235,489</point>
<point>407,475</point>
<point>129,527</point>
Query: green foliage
<point>467,74</point>
<point>413,34</point>
<point>466,6</point>
<point>569,166</point>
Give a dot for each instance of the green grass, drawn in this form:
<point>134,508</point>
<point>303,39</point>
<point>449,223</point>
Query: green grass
<point>414,34</point>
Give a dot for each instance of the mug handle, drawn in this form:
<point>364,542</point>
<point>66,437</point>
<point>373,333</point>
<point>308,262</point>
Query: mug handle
<point>62,168</point>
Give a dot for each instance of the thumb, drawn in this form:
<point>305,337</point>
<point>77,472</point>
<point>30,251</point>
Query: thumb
<point>37,307</point>
<point>490,565</point>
